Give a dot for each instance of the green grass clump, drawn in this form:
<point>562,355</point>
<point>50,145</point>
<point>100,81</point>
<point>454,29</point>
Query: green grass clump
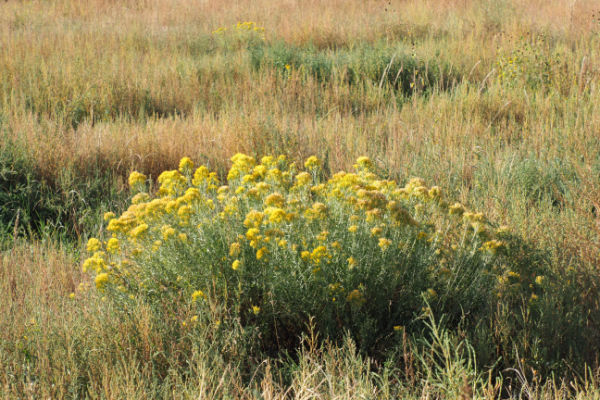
<point>277,246</point>
<point>375,65</point>
<point>66,206</point>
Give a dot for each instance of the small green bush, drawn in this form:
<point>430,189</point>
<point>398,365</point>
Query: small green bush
<point>373,65</point>
<point>536,64</point>
<point>70,205</point>
<point>20,191</point>
<point>276,247</point>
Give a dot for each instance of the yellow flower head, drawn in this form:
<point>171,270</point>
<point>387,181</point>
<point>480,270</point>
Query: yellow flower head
<point>376,231</point>
<point>355,297</point>
<point>318,253</point>
<point>312,162</point>
<point>186,165</point>
<point>253,219</point>
<point>276,215</point>
<point>275,200</point>
<point>435,192</point>
<point>260,253</point>
<point>112,245</point>
<point>93,245</point>
<point>201,175</point>
<point>252,234</point>
<point>303,178</point>
<point>167,231</point>
<point>267,161</point>
<point>364,163</point>
<point>109,215</point>
<point>136,178</point>
<point>138,230</point>
<point>140,198</point>
<point>351,262</point>
<point>101,280</point>
<point>235,265</point>
<point>234,249</point>
<point>384,243</point>
<point>198,294</point>
<point>255,310</point>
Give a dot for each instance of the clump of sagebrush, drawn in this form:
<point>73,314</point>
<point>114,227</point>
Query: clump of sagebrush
<point>276,246</point>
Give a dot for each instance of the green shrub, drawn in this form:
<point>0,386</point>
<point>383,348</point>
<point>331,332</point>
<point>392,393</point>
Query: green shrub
<point>21,194</point>
<point>540,181</point>
<point>536,64</point>
<point>276,247</point>
<point>69,205</point>
<point>392,67</point>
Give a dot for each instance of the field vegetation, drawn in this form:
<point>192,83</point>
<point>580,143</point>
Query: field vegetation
<point>455,257</point>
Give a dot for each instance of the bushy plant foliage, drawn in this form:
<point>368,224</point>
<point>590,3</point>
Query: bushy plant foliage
<point>277,245</point>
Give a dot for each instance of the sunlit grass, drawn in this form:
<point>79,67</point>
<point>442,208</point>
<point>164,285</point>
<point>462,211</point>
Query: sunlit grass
<point>496,102</point>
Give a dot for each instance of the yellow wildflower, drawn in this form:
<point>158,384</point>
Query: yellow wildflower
<point>351,262</point>
<point>198,294</point>
<point>101,280</point>
<point>312,162</point>
<point>435,192</point>
<point>138,230</point>
<point>136,178</point>
<point>112,246</point>
<point>254,218</point>
<point>303,178</point>
<point>355,297</point>
<point>93,245</point>
<point>260,253</point>
<point>364,163</point>
<point>276,215</point>
<point>186,165</point>
<point>275,200</point>
<point>234,249</point>
<point>252,234</point>
<point>167,231</point>
<point>140,198</point>
<point>318,253</point>
<point>457,209</point>
<point>384,243</point>
<point>109,215</point>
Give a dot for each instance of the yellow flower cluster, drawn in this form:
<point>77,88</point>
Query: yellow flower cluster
<point>269,213</point>
<point>240,28</point>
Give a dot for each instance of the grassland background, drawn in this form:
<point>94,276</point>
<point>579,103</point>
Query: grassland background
<point>90,90</point>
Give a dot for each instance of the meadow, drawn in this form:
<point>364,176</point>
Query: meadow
<point>456,258</point>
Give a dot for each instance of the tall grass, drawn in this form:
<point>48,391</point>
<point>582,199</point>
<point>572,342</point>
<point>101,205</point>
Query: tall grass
<point>494,101</point>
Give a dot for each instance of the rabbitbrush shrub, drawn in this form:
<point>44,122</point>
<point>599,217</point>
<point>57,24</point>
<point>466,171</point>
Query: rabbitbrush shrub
<point>276,246</point>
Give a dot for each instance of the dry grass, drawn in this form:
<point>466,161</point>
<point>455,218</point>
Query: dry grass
<point>103,85</point>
